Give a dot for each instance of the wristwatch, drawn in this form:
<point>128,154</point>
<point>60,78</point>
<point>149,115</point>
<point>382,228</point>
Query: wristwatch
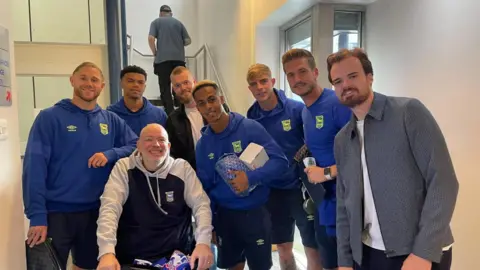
<point>327,172</point>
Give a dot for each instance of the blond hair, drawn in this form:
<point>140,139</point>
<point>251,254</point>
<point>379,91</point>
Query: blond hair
<point>293,54</point>
<point>257,70</point>
<point>179,70</point>
<point>90,65</point>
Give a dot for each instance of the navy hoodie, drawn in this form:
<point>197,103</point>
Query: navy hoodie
<point>239,133</point>
<point>285,125</point>
<point>148,114</point>
<point>56,177</point>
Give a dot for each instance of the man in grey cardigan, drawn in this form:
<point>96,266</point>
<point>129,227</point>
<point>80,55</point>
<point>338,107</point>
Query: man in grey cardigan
<point>396,185</point>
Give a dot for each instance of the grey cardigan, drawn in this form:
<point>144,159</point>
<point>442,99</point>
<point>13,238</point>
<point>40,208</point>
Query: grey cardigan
<point>412,178</point>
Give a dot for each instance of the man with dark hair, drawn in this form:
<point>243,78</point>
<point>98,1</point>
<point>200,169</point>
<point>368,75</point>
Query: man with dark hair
<point>241,220</point>
<point>397,187</point>
<point>171,37</point>
<point>71,149</point>
<point>322,117</point>
<point>134,108</point>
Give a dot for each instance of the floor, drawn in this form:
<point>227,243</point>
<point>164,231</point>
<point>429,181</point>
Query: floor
<point>298,251</point>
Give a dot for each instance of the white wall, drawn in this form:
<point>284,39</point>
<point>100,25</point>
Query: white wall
<point>245,32</point>
<point>429,49</point>
<point>12,251</point>
<point>81,21</point>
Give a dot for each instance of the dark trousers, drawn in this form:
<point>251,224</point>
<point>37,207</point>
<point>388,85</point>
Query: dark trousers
<point>76,233</point>
<point>376,260</point>
<point>163,71</point>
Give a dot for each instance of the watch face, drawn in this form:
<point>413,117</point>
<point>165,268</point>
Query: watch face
<point>326,171</point>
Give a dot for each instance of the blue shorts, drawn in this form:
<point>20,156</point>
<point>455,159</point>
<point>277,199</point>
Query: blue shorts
<point>286,210</point>
<point>75,232</point>
<point>244,235</point>
<point>327,244</point>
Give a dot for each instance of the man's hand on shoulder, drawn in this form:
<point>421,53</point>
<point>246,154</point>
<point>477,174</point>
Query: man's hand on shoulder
<point>202,253</point>
<point>108,262</point>
<point>97,160</point>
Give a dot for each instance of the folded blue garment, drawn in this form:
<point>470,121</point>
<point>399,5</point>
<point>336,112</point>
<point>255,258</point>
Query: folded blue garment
<point>178,261</point>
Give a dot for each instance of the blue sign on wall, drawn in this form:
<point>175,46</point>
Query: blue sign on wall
<point>5,75</point>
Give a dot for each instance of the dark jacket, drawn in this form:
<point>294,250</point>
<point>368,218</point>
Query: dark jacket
<point>179,131</point>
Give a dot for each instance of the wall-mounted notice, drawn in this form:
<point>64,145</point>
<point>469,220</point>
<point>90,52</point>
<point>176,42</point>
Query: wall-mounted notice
<point>5,77</point>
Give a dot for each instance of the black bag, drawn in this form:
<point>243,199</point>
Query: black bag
<point>42,257</point>
<point>315,191</point>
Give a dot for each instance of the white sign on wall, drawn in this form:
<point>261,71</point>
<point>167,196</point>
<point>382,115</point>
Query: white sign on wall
<point>5,76</point>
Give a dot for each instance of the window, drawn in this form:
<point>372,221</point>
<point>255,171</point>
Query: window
<point>298,36</point>
<point>347,30</point>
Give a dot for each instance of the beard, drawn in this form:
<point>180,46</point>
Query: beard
<point>156,161</point>
<point>185,100</point>
<point>79,93</point>
<point>309,90</point>
<point>354,99</point>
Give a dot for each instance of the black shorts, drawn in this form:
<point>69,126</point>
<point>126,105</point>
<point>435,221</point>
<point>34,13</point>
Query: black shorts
<point>244,234</point>
<point>286,210</point>
<point>75,232</point>
<point>327,245</point>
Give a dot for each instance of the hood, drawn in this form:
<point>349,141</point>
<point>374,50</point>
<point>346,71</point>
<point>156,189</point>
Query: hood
<point>120,109</point>
<point>162,172</point>
<point>257,113</point>
<point>69,106</point>
<point>233,122</point>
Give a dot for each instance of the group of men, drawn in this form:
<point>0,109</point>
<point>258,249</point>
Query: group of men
<point>115,185</point>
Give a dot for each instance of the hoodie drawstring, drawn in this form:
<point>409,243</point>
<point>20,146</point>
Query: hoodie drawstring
<point>157,200</point>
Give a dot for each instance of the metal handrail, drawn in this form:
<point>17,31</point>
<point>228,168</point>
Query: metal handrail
<point>207,55</point>
<point>215,72</point>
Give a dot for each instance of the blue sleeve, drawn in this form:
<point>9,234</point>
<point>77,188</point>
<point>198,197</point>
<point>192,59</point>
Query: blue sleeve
<point>35,166</point>
<point>342,115</point>
<point>125,141</point>
<point>162,118</point>
<point>202,174</point>
<point>299,117</point>
<point>277,162</point>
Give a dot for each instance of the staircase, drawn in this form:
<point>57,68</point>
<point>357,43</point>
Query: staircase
<point>201,65</point>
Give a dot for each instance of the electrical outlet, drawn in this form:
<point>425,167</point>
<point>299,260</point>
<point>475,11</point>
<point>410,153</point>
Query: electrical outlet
<point>3,130</point>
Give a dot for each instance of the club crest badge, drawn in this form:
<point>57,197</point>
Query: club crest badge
<point>169,196</point>
<point>104,129</point>
<point>286,124</point>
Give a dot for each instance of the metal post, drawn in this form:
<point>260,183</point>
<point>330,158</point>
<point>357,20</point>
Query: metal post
<point>205,64</point>
<point>114,39</point>
<point>123,18</point>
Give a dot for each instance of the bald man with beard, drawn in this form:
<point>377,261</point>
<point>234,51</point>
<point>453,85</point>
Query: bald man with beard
<point>147,205</point>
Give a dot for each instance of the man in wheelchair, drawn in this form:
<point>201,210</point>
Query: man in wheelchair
<point>147,205</point>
